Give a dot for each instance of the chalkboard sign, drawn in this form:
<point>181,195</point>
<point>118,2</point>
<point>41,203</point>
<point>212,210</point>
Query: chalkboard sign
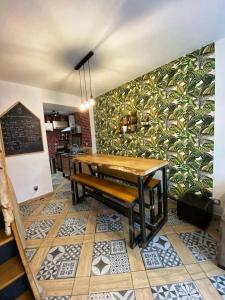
<point>21,131</point>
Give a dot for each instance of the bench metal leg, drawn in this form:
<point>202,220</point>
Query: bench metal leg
<point>152,206</point>
<point>159,194</point>
<point>131,226</point>
<point>76,192</point>
<point>142,209</point>
<point>83,190</point>
<point>165,200</point>
<point>72,190</point>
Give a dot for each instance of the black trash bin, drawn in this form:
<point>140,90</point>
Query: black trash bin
<point>195,209</point>
<point>52,165</point>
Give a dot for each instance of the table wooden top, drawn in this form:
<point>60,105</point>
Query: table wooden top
<point>137,166</point>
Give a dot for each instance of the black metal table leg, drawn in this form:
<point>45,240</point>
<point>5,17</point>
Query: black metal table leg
<point>73,193</point>
<point>76,193</point>
<point>131,225</point>
<point>142,209</point>
<point>165,200</point>
<point>80,167</point>
<point>80,171</point>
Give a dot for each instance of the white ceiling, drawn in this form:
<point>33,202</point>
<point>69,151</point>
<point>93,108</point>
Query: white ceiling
<point>41,41</point>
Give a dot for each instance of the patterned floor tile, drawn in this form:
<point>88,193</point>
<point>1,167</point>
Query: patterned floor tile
<point>201,244</point>
<point>73,226</point>
<point>119,264</point>
<point>63,195</point>
<point>110,258</point>
<point>102,248</point>
<point>101,265</point>
<point>83,206</point>
<point>122,295</point>
<point>55,186</point>
<point>184,291</point>
<point>30,252</point>
<point>66,186</point>
<point>38,229</point>
<point>53,208</point>
<point>57,179</point>
<point>100,206</point>
<point>60,262</point>
<point>108,223</point>
<point>173,218</point>
<point>159,253</point>
<point>219,284</point>
<point>26,209</point>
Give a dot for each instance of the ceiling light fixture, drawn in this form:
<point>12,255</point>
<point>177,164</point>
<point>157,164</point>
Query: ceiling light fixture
<point>85,102</point>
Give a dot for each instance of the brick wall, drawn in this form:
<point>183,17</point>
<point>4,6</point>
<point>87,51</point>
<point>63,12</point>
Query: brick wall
<point>82,119</point>
<point>53,140</point>
<point>54,137</point>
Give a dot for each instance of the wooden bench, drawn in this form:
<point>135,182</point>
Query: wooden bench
<point>115,190</point>
<point>151,186</point>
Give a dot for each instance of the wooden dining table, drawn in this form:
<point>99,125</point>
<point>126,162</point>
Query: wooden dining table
<point>144,169</point>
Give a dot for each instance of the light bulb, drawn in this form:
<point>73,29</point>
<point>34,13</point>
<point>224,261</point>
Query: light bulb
<point>92,101</point>
<point>86,104</point>
<point>82,107</point>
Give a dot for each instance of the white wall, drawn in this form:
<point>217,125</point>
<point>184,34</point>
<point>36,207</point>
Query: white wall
<point>219,135</point>
<point>29,170</point>
<point>92,125</point>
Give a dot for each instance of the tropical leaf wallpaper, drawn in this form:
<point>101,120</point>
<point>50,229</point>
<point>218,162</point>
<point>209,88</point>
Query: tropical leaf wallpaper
<point>179,98</point>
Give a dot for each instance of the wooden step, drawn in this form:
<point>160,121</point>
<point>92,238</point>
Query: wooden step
<point>11,270</point>
<point>4,239</point>
<point>26,296</point>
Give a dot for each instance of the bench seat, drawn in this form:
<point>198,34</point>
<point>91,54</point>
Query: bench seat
<point>118,191</point>
<point>152,185</point>
<point>127,176</point>
<point>113,189</point>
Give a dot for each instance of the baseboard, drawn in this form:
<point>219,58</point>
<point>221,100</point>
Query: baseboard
<point>29,201</point>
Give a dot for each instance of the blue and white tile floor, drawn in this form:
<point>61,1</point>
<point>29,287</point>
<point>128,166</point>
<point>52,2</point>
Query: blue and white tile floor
<point>82,253</point>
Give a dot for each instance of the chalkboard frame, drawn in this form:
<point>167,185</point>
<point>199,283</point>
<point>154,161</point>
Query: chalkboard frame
<point>27,151</point>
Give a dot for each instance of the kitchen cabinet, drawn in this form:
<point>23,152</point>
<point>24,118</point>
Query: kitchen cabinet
<point>65,159</point>
<point>59,161</point>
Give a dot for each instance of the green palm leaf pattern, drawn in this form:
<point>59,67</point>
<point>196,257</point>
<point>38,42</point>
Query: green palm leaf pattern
<point>179,97</point>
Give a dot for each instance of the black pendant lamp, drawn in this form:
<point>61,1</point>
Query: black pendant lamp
<point>85,102</point>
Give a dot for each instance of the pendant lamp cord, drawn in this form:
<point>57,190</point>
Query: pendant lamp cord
<point>90,78</point>
<point>81,93</point>
<point>85,82</point>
